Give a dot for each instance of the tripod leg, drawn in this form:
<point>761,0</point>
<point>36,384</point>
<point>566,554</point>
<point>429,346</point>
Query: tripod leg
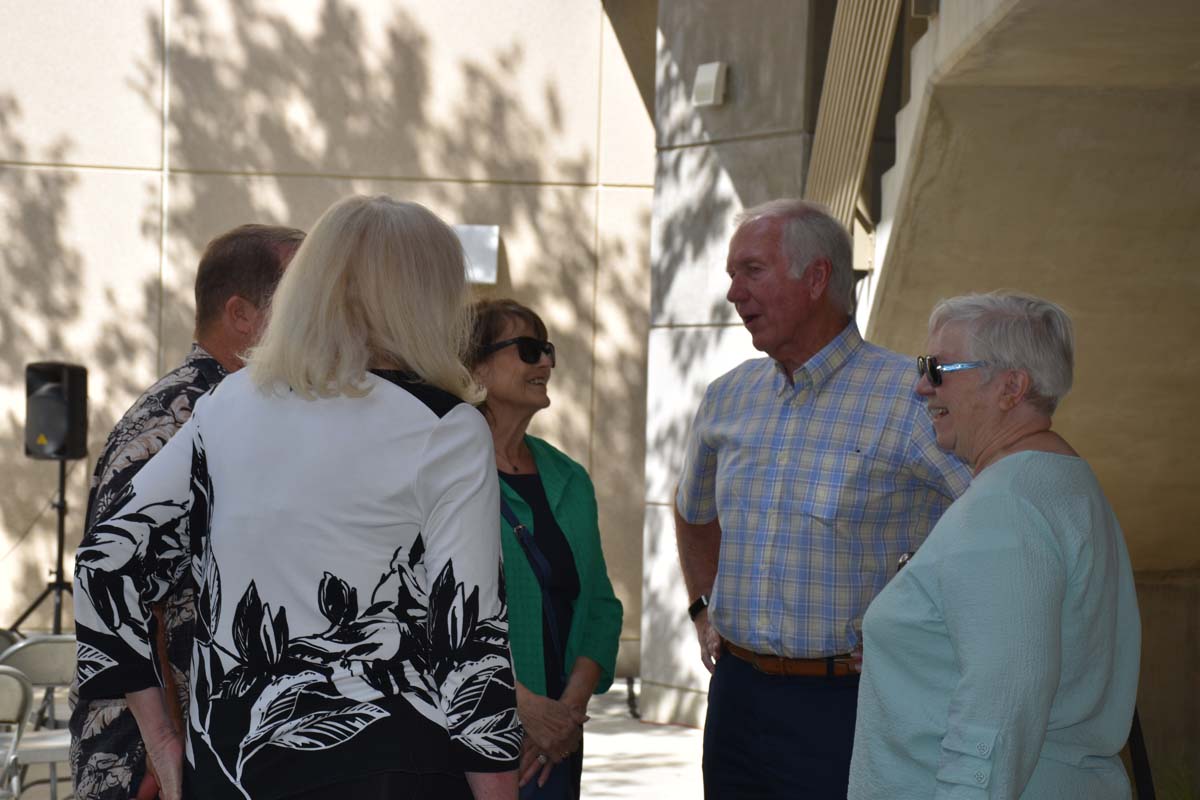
<point>58,584</point>
<point>33,607</point>
<point>62,537</point>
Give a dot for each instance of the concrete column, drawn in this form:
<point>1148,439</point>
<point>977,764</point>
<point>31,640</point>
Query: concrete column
<point>711,163</point>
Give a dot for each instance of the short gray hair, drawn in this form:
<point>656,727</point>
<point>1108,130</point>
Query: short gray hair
<point>1010,330</point>
<point>811,233</point>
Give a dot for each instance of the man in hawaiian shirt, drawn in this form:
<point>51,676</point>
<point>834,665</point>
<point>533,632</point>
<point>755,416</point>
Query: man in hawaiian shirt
<point>237,274</point>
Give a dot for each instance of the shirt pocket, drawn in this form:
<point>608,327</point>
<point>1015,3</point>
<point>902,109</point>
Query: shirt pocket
<point>844,486</point>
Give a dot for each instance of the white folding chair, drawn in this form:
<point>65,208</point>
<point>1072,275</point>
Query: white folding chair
<point>47,659</point>
<point>8,638</point>
<point>16,696</point>
<point>25,747</point>
<point>48,662</point>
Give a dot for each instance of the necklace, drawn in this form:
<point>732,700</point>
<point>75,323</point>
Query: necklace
<point>514,466</point>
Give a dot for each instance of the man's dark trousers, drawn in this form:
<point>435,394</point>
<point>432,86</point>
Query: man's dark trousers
<point>772,737</point>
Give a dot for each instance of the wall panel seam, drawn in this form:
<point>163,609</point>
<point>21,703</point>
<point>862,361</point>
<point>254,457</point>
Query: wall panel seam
<point>748,137</point>
<point>164,182</point>
<point>596,241</point>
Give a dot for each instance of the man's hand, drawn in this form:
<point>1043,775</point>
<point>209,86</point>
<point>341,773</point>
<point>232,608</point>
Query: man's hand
<point>710,641</point>
<point>164,745</point>
<point>164,752</point>
<point>699,551</point>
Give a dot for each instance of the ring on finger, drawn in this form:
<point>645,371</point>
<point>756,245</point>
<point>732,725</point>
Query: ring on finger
<point>541,757</point>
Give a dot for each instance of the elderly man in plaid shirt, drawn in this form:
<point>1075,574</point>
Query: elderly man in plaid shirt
<point>808,474</point>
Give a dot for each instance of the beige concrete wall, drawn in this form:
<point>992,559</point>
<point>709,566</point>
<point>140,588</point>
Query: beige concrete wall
<point>712,163</point>
<point>1097,214</point>
<point>132,134</point>
<point>1169,693</point>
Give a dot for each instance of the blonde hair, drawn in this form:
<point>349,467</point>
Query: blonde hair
<point>377,282</point>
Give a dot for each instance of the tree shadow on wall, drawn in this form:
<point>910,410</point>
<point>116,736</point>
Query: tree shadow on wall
<point>41,280</point>
<point>274,119</point>
<point>272,122</point>
<point>278,122</point>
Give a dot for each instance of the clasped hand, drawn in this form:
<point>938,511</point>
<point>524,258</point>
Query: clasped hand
<point>553,730</point>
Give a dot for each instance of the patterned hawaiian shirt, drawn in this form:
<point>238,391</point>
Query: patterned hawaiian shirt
<point>108,758</point>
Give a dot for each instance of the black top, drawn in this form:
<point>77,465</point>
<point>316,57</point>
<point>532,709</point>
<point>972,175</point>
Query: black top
<point>564,578</point>
<point>438,400</point>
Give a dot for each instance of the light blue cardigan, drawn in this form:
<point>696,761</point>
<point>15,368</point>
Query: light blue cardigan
<point>1002,661</point>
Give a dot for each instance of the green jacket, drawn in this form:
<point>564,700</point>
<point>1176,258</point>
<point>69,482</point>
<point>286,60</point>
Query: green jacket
<point>596,615</point>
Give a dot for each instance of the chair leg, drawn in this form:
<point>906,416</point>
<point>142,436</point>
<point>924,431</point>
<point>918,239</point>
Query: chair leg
<point>12,775</point>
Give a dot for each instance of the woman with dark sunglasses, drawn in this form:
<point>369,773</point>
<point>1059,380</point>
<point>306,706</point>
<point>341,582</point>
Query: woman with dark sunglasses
<point>1002,661</point>
<point>564,620</point>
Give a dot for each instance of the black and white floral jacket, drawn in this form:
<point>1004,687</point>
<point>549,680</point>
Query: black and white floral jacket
<point>350,616</point>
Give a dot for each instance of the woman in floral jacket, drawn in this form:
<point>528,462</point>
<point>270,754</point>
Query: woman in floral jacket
<point>336,504</point>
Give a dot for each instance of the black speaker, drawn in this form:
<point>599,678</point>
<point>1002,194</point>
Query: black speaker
<point>55,410</point>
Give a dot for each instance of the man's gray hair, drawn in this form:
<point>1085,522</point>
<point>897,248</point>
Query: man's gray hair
<point>810,233</point>
<point>1010,330</point>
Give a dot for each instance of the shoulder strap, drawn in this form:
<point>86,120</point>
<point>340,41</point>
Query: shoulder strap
<point>541,570</point>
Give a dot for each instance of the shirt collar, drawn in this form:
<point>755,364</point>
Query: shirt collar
<point>206,364</point>
<point>821,367</point>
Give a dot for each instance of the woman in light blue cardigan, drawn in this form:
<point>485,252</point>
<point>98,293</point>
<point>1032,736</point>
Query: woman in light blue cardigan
<point>1002,661</point>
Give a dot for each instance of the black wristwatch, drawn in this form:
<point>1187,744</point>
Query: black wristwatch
<point>698,605</point>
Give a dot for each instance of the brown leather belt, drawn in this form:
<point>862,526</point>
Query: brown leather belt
<point>833,667</point>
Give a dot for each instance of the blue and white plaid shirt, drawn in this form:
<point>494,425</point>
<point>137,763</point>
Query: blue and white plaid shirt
<point>820,486</point>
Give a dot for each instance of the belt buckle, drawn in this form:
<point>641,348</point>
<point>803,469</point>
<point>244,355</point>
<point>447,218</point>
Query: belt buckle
<point>770,663</point>
<point>846,662</point>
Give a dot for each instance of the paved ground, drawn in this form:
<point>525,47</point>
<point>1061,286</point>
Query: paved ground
<point>623,758</point>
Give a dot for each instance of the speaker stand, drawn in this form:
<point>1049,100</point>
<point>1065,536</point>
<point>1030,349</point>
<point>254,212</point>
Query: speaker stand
<point>58,585</point>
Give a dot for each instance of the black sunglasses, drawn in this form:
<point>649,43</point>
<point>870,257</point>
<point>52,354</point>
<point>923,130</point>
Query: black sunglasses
<point>928,367</point>
<point>528,348</point>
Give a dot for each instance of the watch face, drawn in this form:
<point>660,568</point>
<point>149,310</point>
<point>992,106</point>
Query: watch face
<point>698,605</point>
